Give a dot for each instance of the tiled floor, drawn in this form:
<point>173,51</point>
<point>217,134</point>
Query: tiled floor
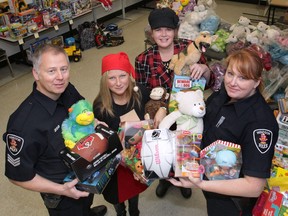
<point>85,76</point>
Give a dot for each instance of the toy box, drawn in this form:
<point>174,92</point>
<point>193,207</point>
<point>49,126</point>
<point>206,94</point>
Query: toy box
<point>92,152</point>
<point>282,120</point>
<point>187,154</point>
<point>184,83</point>
<point>17,30</point>
<point>36,44</point>
<point>97,182</point>
<point>283,105</point>
<point>280,157</point>
<point>76,6</point>
<point>157,153</point>
<point>131,138</point>
<point>272,204</point>
<point>221,160</point>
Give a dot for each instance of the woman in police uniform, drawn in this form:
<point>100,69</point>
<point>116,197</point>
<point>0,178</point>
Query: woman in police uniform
<point>238,113</point>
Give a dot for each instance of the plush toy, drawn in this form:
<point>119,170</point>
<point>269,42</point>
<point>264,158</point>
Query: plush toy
<point>257,35</point>
<point>207,3</point>
<point>283,41</point>
<point>79,124</point>
<point>178,6</point>
<point>164,4</point>
<point>219,44</point>
<point>158,97</point>
<point>210,24</point>
<point>191,109</point>
<point>271,36</point>
<point>242,27</point>
<point>191,54</point>
<point>187,9</point>
<point>190,27</point>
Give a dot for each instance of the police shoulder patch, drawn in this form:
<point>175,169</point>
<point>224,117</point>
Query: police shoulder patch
<point>14,143</point>
<point>262,139</point>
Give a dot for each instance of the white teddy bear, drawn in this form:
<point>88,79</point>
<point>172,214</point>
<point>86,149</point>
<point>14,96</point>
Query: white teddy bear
<point>190,28</point>
<point>242,27</point>
<point>257,35</point>
<point>189,116</point>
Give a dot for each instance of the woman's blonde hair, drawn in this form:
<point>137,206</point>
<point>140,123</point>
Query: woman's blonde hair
<point>104,98</point>
<point>248,63</point>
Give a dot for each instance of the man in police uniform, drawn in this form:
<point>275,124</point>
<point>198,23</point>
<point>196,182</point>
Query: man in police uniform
<point>33,138</point>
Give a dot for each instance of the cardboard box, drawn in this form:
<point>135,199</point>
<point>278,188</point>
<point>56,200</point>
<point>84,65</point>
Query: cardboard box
<point>83,168</point>
<point>259,206</point>
<point>184,83</point>
<point>97,182</point>
<point>273,204</point>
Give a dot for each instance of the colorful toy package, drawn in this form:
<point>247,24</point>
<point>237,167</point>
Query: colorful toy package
<point>187,154</point>
<point>131,138</point>
<point>184,83</point>
<point>222,160</point>
<point>282,120</point>
<point>280,158</point>
<point>97,182</point>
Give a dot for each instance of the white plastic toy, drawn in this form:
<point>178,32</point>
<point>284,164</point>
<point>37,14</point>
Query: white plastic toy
<point>158,153</point>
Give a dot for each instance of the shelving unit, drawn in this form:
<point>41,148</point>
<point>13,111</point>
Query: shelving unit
<point>13,46</point>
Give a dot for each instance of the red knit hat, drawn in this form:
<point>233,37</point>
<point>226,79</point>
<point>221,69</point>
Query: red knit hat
<point>118,61</point>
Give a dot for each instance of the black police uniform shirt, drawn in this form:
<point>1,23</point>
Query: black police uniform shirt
<point>33,137</point>
<point>250,123</point>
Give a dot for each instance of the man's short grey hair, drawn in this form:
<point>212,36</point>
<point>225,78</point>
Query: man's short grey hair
<point>37,55</point>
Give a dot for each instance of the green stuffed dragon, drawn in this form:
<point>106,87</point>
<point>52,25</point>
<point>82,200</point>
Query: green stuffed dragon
<point>79,124</point>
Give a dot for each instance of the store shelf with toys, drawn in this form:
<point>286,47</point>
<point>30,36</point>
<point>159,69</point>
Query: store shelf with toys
<point>37,19</point>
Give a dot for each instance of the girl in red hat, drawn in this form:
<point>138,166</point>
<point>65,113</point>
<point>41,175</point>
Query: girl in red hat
<point>119,95</point>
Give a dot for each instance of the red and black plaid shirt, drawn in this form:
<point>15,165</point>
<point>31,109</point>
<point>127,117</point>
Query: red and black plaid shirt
<point>150,70</point>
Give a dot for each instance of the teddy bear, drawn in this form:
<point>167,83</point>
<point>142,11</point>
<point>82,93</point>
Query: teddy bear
<point>79,124</point>
<point>271,36</point>
<point>207,3</point>
<point>242,27</point>
<point>190,27</point>
<point>256,36</point>
<point>158,96</point>
<point>180,62</point>
<point>189,116</point>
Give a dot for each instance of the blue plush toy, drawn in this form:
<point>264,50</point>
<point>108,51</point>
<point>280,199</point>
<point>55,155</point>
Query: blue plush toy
<point>211,24</point>
<point>79,124</point>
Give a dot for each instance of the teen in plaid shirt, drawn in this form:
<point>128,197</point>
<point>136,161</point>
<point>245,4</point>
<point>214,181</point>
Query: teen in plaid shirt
<point>152,71</point>
<point>152,66</point>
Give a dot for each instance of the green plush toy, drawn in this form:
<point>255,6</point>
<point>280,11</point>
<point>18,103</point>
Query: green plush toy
<point>79,124</point>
